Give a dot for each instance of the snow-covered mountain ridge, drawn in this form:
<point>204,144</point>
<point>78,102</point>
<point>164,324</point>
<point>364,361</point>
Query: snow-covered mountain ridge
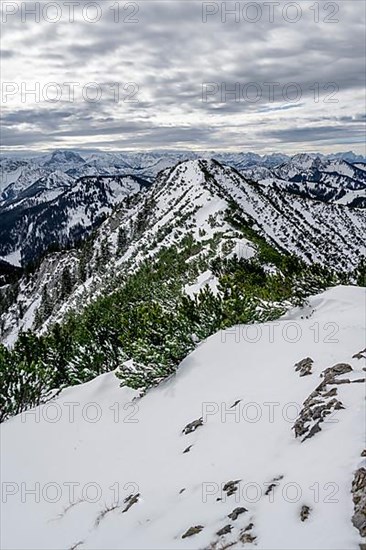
<point>210,201</point>
<point>209,459</point>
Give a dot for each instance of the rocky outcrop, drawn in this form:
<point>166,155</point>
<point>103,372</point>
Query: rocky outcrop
<point>359,501</point>
<point>236,513</point>
<point>304,366</point>
<point>338,369</point>
<point>192,426</point>
<point>321,402</point>
<point>231,487</point>
<point>192,531</point>
<point>224,531</point>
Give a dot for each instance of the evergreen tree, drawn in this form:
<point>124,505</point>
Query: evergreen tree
<point>84,261</point>
<point>45,309</point>
<point>66,283</point>
<point>121,241</point>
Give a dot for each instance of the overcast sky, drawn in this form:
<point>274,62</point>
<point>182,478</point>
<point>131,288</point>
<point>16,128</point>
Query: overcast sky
<point>297,76</point>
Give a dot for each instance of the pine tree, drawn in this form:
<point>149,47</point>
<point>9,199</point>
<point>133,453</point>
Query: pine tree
<point>66,283</point>
<point>46,304</point>
<point>86,255</point>
<point>105,251</point>
<point>121,241</point>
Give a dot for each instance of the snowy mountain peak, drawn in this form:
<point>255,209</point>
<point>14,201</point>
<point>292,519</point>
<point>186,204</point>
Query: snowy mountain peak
<point>304,161</point>
<point>64,157</point>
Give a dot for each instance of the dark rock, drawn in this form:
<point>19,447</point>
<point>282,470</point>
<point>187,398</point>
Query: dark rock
<point>359,484</point>
<point>192,531</point>
<point>236,513</point>
<point>130,500</point>
<point>235,404</point>
<point>181,491</point>
<point>192,426</point>
<point>359,380</point>
<point>305,512</point>
<point>300,428</point>
<point>314,430</point>
<point>336,370</point>
<point>322,386</point>
<point>359,501</point>
<point>247,538</point>
<point>314,395</point>
<point>363,452</point>
<point>231,487</point>
<point>304,366</point>
<point>359,521</point>
<point>318,412</point>
<point>360,354</point>
<point>331,392</point>
<point>224,531</point>
<point>270,488</point>
<point>334,403</point>
<point>187,449</point>
<point>317,408</point>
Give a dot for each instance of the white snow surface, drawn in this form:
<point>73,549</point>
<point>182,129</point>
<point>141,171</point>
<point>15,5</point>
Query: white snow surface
<point>206,279</point>
<point>141,452</point>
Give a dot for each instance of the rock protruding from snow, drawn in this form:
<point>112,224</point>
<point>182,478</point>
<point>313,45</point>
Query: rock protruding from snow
<point>192,426</point>
<point>338,369</point>
<point>192,531</point>
<point>304,366</point>
<point>359,501</point>
<point>321,402</point>
<point>305,512</point>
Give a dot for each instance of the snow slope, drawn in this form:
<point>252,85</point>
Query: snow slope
<point>148,492</point>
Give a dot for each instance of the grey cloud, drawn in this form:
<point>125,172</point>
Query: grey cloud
<point>170,53</point>
<point>337,134</point>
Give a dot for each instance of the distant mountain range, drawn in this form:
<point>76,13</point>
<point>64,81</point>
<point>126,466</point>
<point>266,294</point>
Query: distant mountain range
<point>55,200</point>
<point>328,180</point>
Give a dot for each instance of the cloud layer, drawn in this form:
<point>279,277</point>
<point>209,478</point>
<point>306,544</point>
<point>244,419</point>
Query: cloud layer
<point>243,75</point>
